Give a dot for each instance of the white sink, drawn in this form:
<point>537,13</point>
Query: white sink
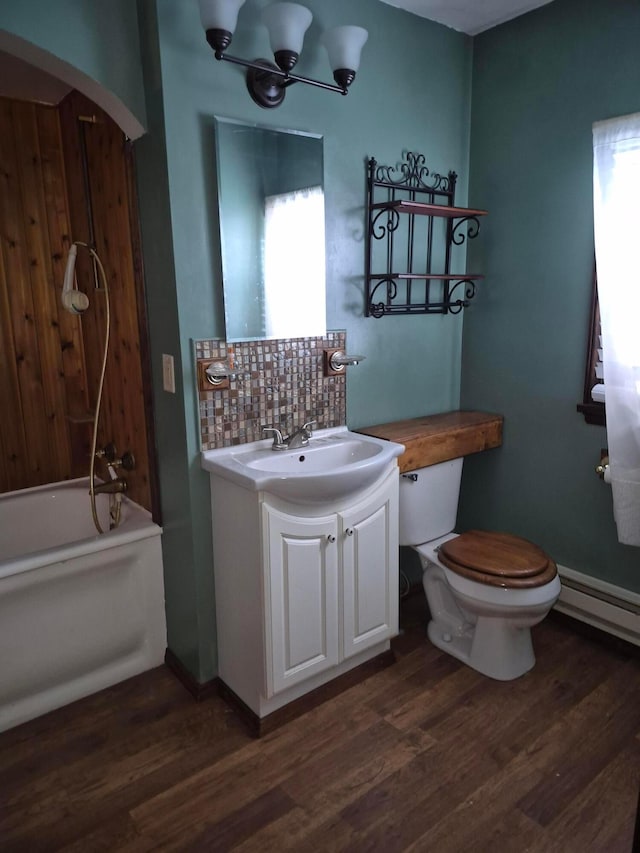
<point>335,464</point>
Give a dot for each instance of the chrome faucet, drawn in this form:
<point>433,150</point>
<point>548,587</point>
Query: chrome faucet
<point>298,438</point>
<point>301,436</point>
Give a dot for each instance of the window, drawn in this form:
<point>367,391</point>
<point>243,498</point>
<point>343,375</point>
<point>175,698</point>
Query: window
<point>616,188</point>
<point>593,405</point>
<point>294,241</point>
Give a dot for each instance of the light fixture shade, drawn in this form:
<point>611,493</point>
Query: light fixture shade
<point>344,45</point>
<point>220,14</point>
<point>287,23</point>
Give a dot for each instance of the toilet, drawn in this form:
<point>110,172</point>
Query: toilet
<point>485,590</point>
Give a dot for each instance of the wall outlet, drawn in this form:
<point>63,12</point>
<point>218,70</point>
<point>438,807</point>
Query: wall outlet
<point>168,374</point>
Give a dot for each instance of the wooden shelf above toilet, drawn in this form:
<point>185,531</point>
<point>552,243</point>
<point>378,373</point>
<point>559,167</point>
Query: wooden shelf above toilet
<point>437,438</point>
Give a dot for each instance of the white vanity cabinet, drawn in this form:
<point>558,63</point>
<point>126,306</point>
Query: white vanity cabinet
<point>370,588</point>
<point>304,592</point>
<point>300,579</point>
<point>331,584</point>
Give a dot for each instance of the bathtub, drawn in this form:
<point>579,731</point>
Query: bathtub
<point>78,611</point>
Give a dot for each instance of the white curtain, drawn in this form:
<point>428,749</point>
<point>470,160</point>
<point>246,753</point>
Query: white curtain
<point>294,263</point>
<point>616,186</point>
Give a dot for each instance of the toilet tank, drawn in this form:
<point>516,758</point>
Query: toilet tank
<point>429,502</point>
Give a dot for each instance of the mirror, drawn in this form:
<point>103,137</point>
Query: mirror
<point>271,207</point>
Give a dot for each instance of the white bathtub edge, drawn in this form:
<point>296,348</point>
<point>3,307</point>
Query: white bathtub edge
<point>36,560</point>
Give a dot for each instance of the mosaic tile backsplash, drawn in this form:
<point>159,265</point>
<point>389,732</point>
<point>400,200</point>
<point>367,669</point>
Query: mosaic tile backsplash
<point>276,383</point>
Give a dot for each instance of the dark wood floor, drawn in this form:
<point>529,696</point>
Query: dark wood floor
<point>426,755</point>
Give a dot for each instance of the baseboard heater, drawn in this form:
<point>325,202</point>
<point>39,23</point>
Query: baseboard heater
<point>601,604</point>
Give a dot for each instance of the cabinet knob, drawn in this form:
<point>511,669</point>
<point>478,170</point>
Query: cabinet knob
<point>331,538</point>
<point>349,531</point>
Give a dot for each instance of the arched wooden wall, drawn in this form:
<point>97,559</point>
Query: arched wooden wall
<point>51,360</point>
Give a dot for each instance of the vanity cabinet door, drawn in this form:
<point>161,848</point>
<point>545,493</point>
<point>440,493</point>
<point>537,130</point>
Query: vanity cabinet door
<point>301,597</point>
<point>369,535</point>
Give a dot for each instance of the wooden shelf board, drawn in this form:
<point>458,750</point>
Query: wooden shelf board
<point>424,277</point>
<point>423,209</point>
<point>437,438</point>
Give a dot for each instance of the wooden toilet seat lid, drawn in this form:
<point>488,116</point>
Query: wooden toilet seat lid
<point>498,559</point>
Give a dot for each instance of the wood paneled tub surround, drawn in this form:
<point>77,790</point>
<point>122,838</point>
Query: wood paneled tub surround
<point>51,359</point>
<point>78,611</point>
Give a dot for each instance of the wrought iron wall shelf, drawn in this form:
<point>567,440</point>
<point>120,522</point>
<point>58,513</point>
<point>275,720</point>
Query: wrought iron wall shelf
<point>403,203</point>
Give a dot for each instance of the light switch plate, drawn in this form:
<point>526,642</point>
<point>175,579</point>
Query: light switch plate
<point>168,374</point>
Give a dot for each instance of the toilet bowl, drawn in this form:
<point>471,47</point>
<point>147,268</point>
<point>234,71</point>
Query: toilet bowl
<point>485,590</point>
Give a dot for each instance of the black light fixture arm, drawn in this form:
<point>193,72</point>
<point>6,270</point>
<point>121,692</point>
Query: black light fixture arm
<point>287,78</point>
<point>266,82</point>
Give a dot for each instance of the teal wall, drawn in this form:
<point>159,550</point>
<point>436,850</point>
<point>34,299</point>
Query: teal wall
<point>413,92</point>
<point>539,82</point>
<point>99,39</point>
<point>184,587</point>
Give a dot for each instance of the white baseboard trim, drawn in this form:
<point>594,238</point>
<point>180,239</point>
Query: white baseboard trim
<point>601,604</point>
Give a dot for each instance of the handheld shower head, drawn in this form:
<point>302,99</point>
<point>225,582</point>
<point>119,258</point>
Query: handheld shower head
<point>73,300</point>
